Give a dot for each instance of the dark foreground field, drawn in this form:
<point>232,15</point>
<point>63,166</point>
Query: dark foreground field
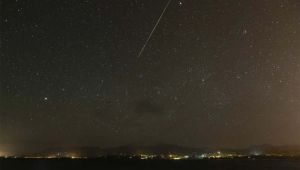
<point>86,164</point>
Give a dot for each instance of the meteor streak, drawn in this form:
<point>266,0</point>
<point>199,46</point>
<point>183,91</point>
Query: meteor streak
<point>153,30</point>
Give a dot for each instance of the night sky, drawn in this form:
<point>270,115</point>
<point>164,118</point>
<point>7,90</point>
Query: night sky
<point>214,73</point>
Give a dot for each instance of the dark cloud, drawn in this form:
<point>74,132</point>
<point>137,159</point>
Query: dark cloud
<point>147,106</point>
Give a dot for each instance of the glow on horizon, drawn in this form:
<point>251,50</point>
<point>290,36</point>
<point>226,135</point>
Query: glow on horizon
<point>3,154</point>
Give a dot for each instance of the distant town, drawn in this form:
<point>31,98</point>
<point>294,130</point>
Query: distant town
<point>162,152</point>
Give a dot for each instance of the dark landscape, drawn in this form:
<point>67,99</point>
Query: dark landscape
<point>86,164</point>
<point>162,156</point>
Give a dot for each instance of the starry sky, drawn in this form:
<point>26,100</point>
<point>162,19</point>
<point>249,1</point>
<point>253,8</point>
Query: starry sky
<point>214,73</point>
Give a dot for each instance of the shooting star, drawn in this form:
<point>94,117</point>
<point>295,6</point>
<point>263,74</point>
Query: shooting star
<point>153,30</point>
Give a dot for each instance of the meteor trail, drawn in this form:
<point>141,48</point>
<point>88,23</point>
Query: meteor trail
<point>153,30</point>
